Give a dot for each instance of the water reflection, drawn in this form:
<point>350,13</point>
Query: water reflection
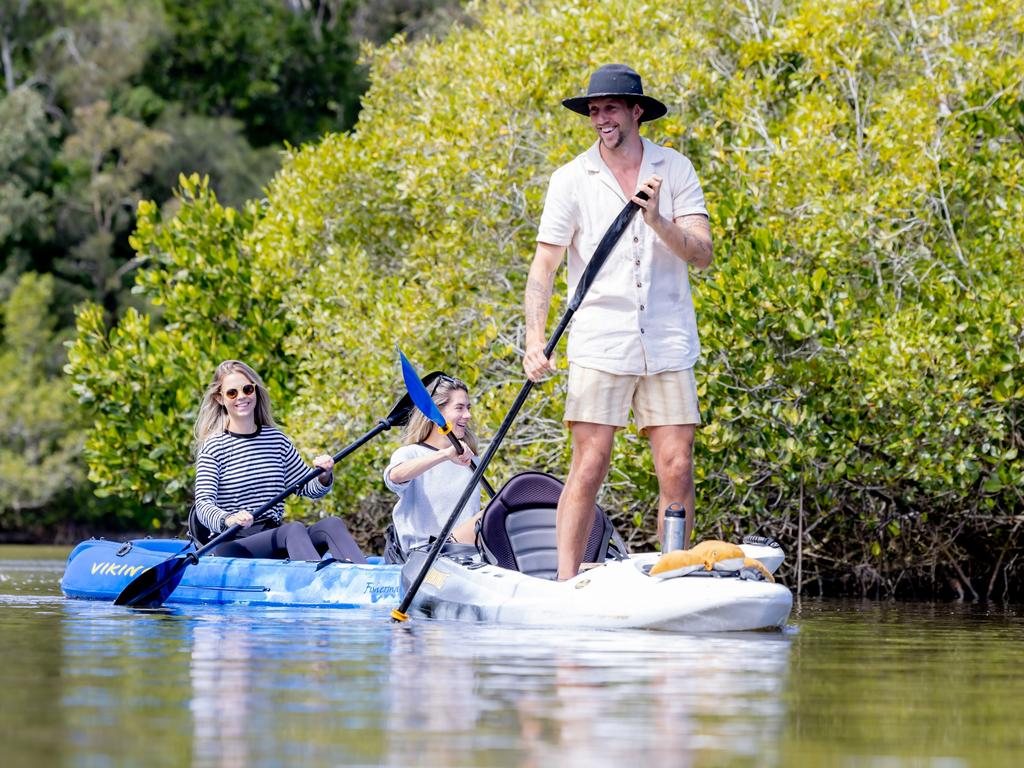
<point>220,675</point>
<point>540,696</point>
<point>123,681</point>
<point>88,684</point>
<point>231,686</point>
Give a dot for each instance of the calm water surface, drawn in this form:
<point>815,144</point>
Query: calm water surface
<point>847,684</point>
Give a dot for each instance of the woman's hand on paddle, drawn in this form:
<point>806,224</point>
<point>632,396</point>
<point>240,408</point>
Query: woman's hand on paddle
<point>242,518</point>
<point>459,458</point>
<point>326,463</point>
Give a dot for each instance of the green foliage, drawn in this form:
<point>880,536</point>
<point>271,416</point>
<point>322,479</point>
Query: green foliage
<point>40,443</point>
<point>90,125</point>
<point>214,147</point>
<point>107,158</point>
<point>377,21</point>
<point>861,381</point>
<point>288,75</point>
<point>143,383</point>
<point>96,46</point>
<point>24,155</point>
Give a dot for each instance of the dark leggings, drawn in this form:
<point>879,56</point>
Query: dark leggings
<point>331,535</point>
<point>296,542</point>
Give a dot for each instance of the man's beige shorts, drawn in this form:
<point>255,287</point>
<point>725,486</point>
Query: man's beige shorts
<point>597,397</point>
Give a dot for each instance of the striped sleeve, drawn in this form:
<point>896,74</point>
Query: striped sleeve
<point>295,468</point>
<point>207,487</point>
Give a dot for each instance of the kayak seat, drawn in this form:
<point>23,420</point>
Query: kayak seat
<point>393,552</point>
<point>198,532</point>
<point>517,528</point>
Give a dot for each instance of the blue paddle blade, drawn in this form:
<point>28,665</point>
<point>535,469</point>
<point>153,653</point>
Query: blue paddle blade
<point>420,397</point>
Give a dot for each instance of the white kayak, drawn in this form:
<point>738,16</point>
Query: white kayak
<point>614,595</point>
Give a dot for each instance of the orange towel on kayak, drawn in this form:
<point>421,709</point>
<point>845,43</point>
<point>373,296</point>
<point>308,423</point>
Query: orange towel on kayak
<point>706,554</point>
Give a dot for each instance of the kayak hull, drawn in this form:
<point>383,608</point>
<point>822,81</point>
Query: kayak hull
<point>618,594</point>
<point>615,595</point>
<point>99,570</point>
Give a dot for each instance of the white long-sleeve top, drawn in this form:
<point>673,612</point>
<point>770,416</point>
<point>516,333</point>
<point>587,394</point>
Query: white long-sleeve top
<point>426,502</point>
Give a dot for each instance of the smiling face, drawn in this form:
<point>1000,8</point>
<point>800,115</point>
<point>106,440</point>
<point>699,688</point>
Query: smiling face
<point>242,407</point>
<point>615,121</point>
<point>456,411</point>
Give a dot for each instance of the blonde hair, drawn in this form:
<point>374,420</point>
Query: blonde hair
<point>419,427</point>
<point>213,416</point>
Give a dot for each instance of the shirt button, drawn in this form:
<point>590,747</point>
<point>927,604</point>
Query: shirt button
<point>641,307</point>
<point>638,262</point>
<point>641,330</point>
<point>638,285</point>
<point>636,239</point>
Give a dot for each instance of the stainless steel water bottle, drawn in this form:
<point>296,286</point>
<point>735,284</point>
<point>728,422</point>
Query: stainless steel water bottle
<point>674,528</point>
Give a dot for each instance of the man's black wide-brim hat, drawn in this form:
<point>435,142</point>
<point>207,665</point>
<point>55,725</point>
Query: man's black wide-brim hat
<point>617,80</point>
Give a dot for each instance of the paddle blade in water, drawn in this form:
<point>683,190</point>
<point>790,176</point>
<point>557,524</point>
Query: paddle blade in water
<point>154,585</point>
<point>419,394</point>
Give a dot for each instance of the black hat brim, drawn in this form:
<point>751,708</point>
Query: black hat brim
<point>653,109</point>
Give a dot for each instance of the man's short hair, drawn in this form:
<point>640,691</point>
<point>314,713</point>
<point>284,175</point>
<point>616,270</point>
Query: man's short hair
<point>632,101</point>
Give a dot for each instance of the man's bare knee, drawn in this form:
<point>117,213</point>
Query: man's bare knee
<point>589,471</point>
<point>675,465</point>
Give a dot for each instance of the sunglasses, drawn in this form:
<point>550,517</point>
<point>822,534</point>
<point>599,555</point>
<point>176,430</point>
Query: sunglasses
<point>438,380</point>
<point>247,389</point>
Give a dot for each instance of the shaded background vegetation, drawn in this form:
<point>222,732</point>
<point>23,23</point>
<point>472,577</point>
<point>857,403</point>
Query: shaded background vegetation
<point>103,104</point>
<point>862,326</point>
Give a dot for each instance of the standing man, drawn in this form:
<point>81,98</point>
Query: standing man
<point>633,341</point>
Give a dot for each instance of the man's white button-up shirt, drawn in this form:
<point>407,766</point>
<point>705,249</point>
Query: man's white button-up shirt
<point>637,317</point>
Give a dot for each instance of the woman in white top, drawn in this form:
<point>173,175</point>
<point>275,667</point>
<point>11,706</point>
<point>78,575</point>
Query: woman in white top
<point>429,475</point>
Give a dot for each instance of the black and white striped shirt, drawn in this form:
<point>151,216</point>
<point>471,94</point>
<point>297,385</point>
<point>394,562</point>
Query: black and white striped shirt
<point>243,472</point>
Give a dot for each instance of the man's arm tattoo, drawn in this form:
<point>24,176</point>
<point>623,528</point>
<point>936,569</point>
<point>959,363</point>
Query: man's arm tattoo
<point>696,234</point>
<point>538,301</point>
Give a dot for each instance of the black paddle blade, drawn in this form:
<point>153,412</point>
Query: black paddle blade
<point>154,585</point>
<point>399,415</point>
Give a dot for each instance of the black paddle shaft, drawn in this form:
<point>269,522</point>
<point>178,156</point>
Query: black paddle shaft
<point>604,248</point>
<point>459,449</point>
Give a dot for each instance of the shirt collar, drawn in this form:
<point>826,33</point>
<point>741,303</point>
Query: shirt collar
<point>593,163</point>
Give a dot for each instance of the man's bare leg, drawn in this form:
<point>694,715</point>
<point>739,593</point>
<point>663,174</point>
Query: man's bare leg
<point>672,447</point>
<point>591,456</point>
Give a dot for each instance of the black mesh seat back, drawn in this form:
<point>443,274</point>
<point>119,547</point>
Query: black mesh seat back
<point>393,552</point>
<point>198,532</point>
<point>517,529</point>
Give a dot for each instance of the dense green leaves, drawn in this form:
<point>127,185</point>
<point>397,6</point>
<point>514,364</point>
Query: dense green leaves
<point>286,75</point>
<point>861,380</point>
<point>142,381</point>
<point>40,436</point>
<point>90,125</point>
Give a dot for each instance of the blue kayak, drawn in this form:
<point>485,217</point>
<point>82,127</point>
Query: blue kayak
<point>98,569</point>
<point>616,595</point>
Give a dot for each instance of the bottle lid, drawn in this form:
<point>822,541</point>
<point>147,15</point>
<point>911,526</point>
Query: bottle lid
<point>675,509</point>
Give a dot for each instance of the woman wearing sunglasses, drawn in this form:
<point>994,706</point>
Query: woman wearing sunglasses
<point>243,460</point>
<point>429,475</point>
